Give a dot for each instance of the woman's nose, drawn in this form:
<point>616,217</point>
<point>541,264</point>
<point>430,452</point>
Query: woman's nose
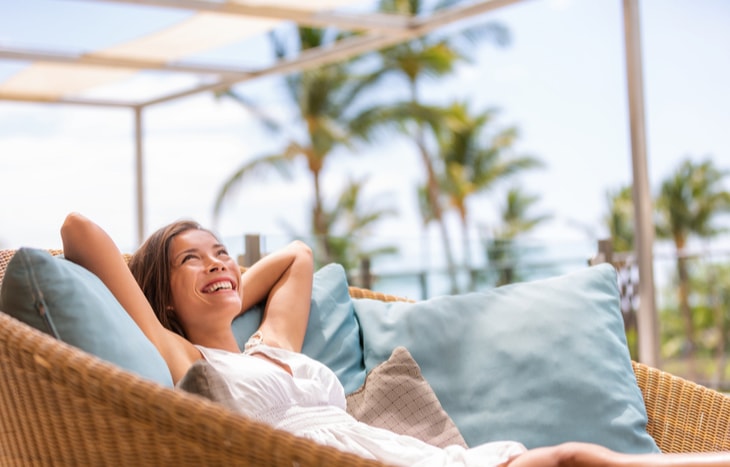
<point>216,265</point>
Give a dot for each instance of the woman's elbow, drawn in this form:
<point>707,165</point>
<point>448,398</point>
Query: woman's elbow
<point>301,251</point>
<point>80,236</point>
<point>73,226</point>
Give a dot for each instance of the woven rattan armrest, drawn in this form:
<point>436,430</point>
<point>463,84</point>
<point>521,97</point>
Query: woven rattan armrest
<point>61,406</point>
<point>683,416</point>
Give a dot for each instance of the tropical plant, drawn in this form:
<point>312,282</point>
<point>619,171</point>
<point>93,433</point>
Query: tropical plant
<point>620,218</point>
<point>717,285</point>
<point>516,220</point>
<point>430,56</point>
<point>324,98</point>
<point>475,159</point>
<point>710,298</point>
<point>350,221</point>
<point>688,205</point>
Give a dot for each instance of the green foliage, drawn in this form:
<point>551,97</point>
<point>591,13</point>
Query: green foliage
<point>690,201</point>
<point>325,100</point>
<point>710,304</point>
<point>688,204</point>
<point>620,218</point>
<point>350,223</point>
<point>504,253</point>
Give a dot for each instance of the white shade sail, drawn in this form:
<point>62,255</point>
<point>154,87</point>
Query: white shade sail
<point>67,76</point>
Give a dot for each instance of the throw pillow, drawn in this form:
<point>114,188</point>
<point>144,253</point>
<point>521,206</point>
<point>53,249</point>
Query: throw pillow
<point>333,333</point>
<point>204,380</point>
<point>396,397</point>
<point>70,303</point>
<point>542,362</point>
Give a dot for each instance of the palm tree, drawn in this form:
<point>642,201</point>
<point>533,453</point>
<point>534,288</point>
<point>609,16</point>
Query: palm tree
<point>350,222</point>
<point>620,218</point>
<point>711,294</point>
<point>475,161</point>
<point>689,201</point>
<point>516,220</point>
<point>324,98</point>
<point>719,301</point>
<point>433,57</point>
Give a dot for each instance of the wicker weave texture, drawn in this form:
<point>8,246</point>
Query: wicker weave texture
<point>683,416</point>
<point>61,406</point>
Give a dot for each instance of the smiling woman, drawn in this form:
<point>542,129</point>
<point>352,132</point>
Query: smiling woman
<point>167,288</point>
<point>201,286</point>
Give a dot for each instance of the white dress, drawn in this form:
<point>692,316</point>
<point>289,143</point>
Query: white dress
<point>310,402</point>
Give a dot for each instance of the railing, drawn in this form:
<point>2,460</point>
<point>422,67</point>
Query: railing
<point>423,275</point>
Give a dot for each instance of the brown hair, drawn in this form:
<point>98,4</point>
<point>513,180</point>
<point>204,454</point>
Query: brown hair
<point>150,266</point>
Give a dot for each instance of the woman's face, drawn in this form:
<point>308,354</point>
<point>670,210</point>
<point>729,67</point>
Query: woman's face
<point>205,281</point>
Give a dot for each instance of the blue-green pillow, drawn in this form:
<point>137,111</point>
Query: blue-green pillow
<point>333,333</point>
<point>70,303</point>
<point>542,362</point>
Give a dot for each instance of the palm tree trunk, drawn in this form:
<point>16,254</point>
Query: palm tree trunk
<point>686,312</point>
<point>319,222</point>
<point>434,197</point>
<point>466,244</point>
<point>434,200</point>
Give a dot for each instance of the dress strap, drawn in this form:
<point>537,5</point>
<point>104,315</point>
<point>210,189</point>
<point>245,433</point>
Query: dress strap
<point>256,339</point>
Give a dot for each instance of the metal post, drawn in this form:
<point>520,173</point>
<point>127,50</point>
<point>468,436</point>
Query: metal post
<point>647,321</point>
<point>366,277</point>
<point>139,168</point>
<point>252,243</point>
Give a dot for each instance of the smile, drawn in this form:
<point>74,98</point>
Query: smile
<point>216,286</point>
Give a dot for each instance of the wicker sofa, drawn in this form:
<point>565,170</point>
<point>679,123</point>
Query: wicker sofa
<point>62,406</point>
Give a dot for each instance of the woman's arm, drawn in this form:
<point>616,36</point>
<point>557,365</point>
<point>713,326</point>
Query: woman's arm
<point>284,278</point>
<point>574,454</point>
<point>87,245</point>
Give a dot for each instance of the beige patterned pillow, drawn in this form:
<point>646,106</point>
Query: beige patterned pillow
<point>395,396</point>
<point>204,380</point>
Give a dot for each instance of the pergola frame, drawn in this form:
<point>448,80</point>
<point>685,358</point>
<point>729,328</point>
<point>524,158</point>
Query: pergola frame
<point>376,31</point>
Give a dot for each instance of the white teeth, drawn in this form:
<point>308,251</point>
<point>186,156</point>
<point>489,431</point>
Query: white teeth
<point>218,286</point>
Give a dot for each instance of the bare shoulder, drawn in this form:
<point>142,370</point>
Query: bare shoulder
<point>179,354</point>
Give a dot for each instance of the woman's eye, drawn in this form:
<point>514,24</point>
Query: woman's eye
<point>186,258</point>
<point>223,253</point>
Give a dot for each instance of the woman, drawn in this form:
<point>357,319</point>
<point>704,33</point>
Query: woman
<point>184,290</point>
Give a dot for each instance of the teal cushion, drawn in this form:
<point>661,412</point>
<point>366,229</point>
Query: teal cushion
<point>333,333</point>
<point>70,303</point>
<point>541,363</point>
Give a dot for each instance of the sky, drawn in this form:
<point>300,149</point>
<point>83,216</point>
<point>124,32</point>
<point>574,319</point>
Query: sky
<point>561,82</point>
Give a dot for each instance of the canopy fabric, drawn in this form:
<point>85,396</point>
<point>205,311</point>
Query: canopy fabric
<point>203,31</point>
<point>90,77</point>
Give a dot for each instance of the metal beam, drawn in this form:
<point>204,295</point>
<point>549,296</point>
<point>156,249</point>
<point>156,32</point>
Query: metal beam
<point>348,47</point>
<point>109,61</point>
<point>647,320</point>
<point>387,30</point>
<point>40,99</point>
<point>139,173</point>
